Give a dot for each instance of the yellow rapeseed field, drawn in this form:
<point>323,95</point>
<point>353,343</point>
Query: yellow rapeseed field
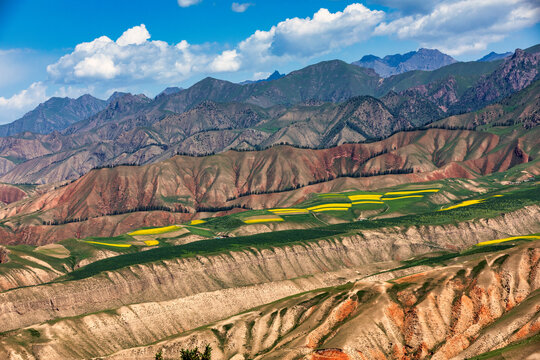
<point>403,197</point>
<point>365,197</point>
<point>151,242</point>
<point>288,211</point>
<point>409,192</point>
<point>490,242</point>
<point>463,204</point>
<point>155,231</point>
<point>196,222</point>
<point>333,205</point>
<point>367,202</point>
<point>261,219</point>
<point>331,209</point>
<point>108,244</point>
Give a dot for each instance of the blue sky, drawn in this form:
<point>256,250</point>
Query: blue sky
<point>67,48</point>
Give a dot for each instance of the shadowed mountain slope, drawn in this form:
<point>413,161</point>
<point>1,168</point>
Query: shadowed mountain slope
<point>54,115</point>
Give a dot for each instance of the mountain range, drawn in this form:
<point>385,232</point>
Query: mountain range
<point>492,56</point>
<point>423,59</point>
<point>328,214</point>
<point>55,114</point>
<point>323,105</point>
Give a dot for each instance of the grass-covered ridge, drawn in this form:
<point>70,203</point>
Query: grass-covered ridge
<point>492,207</point>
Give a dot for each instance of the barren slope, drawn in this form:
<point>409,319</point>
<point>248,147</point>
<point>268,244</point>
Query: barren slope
<point>453,312</point>
<point>143,303</point>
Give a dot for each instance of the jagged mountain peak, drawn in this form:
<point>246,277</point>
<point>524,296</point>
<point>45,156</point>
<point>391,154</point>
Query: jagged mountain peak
<point>423,59</point>
<point>170,91</point>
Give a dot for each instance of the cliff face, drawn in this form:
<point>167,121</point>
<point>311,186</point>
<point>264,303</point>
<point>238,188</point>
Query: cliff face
<point>142,304</point>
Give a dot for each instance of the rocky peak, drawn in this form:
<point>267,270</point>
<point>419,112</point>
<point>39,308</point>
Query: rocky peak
<point>169,91</point>
<point>423,59</point>
<point>128,99</point>
<point>115,95</point>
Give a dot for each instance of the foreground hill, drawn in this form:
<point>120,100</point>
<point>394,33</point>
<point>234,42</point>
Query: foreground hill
<point>466,308</point>
<point>212,290</point>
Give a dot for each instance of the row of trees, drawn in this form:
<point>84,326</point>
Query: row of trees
<point>190,354</point>
<point>177,209</point>
<point>222,208</point>
<point>326,179</point>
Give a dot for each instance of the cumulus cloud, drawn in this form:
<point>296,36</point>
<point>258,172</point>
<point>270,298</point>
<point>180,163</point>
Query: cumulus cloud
<point>13,107</point>
<point>463,26</point>
<point>240,8</point>
<point>453,26</point>
<point>28,97</point>
<point>134,36</point>
<point>306,37</point>
<point>96,66</point>
<point>187,3</point>
<point>131,57</point>
<point>226,61</point>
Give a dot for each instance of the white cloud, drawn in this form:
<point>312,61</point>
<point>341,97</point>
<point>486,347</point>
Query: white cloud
<point>28,97</point>
<point>261,75</point>
<point>134,36</point>
<point>240,8</point>
<point>186,3</point>
<point>131,57</point>
<point>227,61</point>
<point>136,61</point>
<point>457,27</point>
<point>309,37</point>
<point>15,106</point>
<point>96,66</point>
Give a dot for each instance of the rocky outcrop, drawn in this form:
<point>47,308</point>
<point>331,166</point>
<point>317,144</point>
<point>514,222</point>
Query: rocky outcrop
<point>10,194</point>
<point>4,255</point>
<point>516,73</point>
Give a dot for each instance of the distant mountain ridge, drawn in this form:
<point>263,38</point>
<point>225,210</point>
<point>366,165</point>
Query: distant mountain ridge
<point>322,105</point>
<point>55,114</point>
<point>423,59</point>
<point>169,91</point>
<point>274,76</point>
<point>492,56</point>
